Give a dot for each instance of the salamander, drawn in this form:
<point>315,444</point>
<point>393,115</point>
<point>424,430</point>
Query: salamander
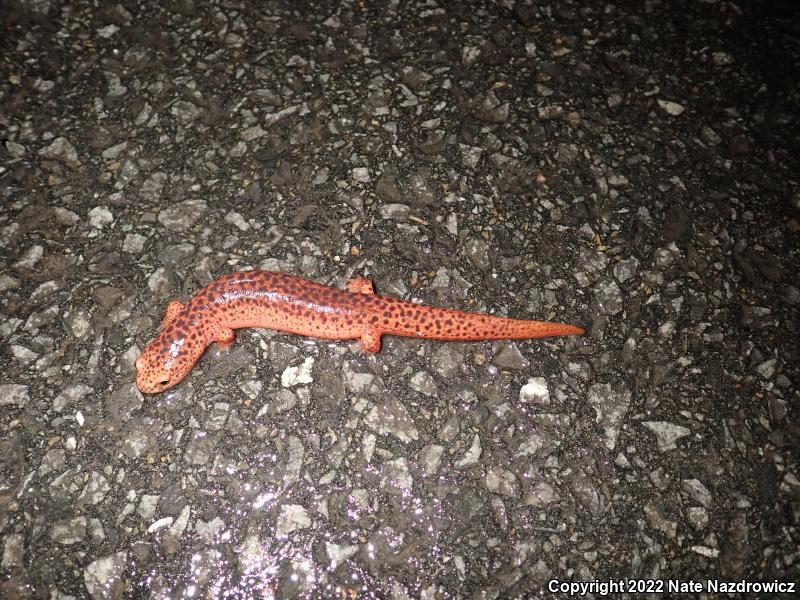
<point>295,305</point>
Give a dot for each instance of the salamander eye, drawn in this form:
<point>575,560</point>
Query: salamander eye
<point>164,382</point>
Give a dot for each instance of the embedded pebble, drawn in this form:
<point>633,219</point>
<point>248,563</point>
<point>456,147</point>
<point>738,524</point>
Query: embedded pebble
<point>361,174</point>
<point>540,495</point>
<point>697,491</point>
<point>667,434</point>
<point>152,186</point>
<point>510,357</point>
<point>423,383</point>
<point>395,476</point>
<point>209,531</point>
<point>100,216</point>
<point>698,517</point>
<point>767,368</point>
<point>62,150</point>
<point>22,355</point>
<point>672,108</point>
<point>234,218</point>
<point>659,522</point>
<point>392,418</point>
<point>626,269</point>
<point>14,149</point>
<point>357,383</point>
<point>7,282</point>
<point>339,553</point>
<point>95,489</point>
<point>535,391</point>
<point>29,259</point>
<point>608,297</point>
<point>610,405</point>
<point>477,252</point>
<point>13,551</point>
<point>183,215</point>
<point>709,136</point>
<point>502,481</point>
<point>396,212</point>
<point>70,531</point>
<point>446,361</point>
<point>291,518</point>
<point>430,458</point>
<point>298,375</point>
<point>15,394</point>
<point>470,155</point>
<point>113,152</point>
<point>472,455</point>
<point>134,243</point>
<point>147,506</point>
<point>200,448</point>
<point>103,577</point>
<point>71,395</point>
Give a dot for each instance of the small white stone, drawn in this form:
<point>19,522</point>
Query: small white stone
<point>767,368</point>
<point>234,218</point>
<point>535,391</point>
<point>100,216</point>
<point>13,393</point>
<point>472,455</point>
<point>667,433</point>
<point>292,518</point>
<point>722,58</point>
<point>339,553</point>
<point>103,576</point>
<point>706,551</point>
<point>107,31</point>
<point>30,258</point>
<point>134,243</point>
<point>296,375</point>
<point>671,108</point>
<point>160,524</point>
<point>361,174</point>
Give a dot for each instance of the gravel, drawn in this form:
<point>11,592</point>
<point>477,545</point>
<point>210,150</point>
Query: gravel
<point>628,167</point>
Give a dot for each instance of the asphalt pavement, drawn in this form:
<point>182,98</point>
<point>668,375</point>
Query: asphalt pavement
<point>628,167</point>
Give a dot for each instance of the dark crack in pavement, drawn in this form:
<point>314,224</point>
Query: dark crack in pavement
<point>629,167</point>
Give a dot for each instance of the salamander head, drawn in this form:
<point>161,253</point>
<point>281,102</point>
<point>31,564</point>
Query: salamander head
<point>167,360</point>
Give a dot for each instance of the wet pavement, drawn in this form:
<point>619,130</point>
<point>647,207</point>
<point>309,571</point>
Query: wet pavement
<point>629,168</point>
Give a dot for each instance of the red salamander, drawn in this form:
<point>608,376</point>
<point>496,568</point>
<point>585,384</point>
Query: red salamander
<point>288,303</point>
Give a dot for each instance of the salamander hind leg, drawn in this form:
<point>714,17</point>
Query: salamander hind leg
<point>370,341</point>
<point>173,308</point>
<point>224,337</point>
<point>361,285</point>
